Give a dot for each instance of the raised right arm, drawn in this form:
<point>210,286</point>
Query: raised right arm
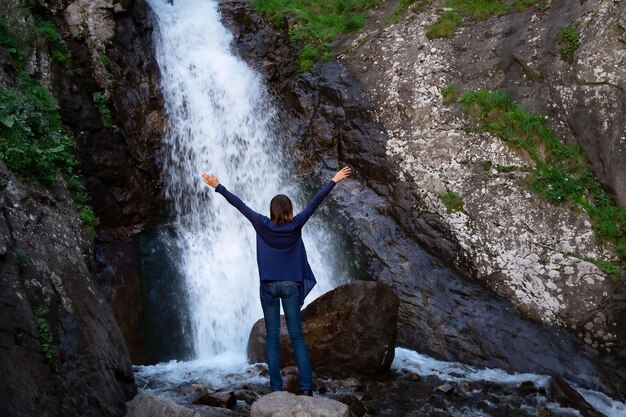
<point>235,201</point>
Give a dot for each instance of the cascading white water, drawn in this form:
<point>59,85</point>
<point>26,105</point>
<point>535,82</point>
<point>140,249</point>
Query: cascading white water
<point>220,120</point>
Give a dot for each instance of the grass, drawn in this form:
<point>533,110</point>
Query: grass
<point>452,201</point>
<point>315,24</point>
<point>446,24</point>
<point>568,41</point>
<point>401,8</point>
<point>562,172</point>
<point>448,21</point>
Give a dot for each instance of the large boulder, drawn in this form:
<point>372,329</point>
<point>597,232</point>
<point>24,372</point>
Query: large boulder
<point>350,329</point>
<point>284,404</point>
<point>145,405</point>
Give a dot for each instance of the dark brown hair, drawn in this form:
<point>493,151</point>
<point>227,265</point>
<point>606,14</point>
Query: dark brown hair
<point>281,210</point>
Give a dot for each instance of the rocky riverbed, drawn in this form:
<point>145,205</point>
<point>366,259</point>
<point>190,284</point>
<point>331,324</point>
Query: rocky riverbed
<point>416,385</point>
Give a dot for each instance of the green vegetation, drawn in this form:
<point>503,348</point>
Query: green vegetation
<point>448,21</point>
<point>479,9</point>
<point>562,172</point>
<point>452,201</point>
<point>315,24</point>
<point>400,11</point>
<point>445,25</point>
<point>20,258</point>
<point>450,94</point>
<point>45,336</point>
<point>33,142</point>
<point>607,267</point>
<point>101,101</point>
<point>57,46</point>
<point>486,165</point>
<point>505,168</point>
<point>569,42</point>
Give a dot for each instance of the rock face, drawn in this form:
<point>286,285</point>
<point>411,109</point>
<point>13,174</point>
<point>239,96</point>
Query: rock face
<point>408,239</point>
<point>284,404</point>
<point>63,353</point>
<point>112,43</point>
<point>351,329</point>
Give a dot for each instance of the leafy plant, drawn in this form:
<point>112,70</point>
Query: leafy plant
<point>315,24</point>
<point>57,46</point>
<point>45,336</point>
<point>569,42</point>
<point>486,165</point>
<point>101,101</point>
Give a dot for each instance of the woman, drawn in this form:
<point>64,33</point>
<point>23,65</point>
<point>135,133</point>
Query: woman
<point>284,271</point>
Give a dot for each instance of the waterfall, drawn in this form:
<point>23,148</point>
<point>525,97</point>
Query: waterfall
<point>220,120</point>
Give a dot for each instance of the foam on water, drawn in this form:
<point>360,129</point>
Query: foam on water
<point>454,371</point>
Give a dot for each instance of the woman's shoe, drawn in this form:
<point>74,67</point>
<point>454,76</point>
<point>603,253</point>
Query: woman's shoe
<point>307,392</point>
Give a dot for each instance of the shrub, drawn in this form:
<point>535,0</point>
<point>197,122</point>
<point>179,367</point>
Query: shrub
<point>57,46</point>
<point>569,42</point>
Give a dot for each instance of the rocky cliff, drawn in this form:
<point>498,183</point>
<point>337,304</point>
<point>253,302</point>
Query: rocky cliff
<point>64,352</point>
<point>380,110</point>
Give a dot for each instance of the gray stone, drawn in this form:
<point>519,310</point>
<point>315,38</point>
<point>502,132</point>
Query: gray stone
<point>284,404</point>
<point>145,405</point>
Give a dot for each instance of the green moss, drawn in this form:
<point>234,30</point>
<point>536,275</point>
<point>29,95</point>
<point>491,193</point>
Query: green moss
<point>315,24</point>
<point>569,42</point>
<point>562,173</point>
<point>445,25</point>
<point>486,165</point>
<point>452,201</point>
<point>20,258</point>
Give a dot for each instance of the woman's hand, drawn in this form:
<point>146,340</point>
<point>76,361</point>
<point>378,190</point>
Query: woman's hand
<point>210,180</point>
<point>341,174</point>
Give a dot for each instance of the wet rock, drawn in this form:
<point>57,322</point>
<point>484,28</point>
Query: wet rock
<point>447,388</point>
<point>224,399</point>
<point>284,404</point>
<point>357,409</point>
<point>544,412</point>
<point>249,396</point>
<point>410,376</point>
<point>349,329</point>
<point>58,330</point>
<point>562,392</point>
<point>526,388</point>
<point>144,405</point>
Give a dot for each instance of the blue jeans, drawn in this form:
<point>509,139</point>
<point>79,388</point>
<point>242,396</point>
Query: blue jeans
<point>289,293</point>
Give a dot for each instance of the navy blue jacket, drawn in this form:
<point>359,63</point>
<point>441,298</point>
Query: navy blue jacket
<point>280,250</point>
